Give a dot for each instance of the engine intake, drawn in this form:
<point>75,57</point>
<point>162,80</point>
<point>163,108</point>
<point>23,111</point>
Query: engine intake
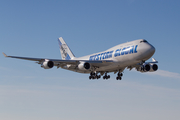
<point>145,67</point>
<point>47,64</point>
<point>154,67</point>
<point>84,66</point>
<point>87,66</point>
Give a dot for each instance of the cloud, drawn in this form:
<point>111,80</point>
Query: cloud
<point>164,73</point>
<point>95,100</point>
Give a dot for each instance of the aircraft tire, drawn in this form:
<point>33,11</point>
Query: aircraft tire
<point>118,78</point>
<point>121,74</point>
<point>108,76</point>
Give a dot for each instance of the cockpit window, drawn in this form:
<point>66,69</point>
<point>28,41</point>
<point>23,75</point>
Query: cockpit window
<point>143,41</point>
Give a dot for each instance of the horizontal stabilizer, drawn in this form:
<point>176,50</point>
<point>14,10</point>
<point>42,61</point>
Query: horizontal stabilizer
<point>154,60</point>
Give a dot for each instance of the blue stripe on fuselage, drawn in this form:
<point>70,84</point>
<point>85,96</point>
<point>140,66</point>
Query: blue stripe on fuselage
<point>126,51</point>
<point>101,56</point>
<point>118,52</point>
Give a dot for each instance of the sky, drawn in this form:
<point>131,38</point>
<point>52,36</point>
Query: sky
<point>31,28</point>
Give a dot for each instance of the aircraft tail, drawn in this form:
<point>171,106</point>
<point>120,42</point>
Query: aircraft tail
<point>66,53</point>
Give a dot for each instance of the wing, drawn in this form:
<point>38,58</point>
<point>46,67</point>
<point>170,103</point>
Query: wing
<point>145,66</point>
<point>60,62</point>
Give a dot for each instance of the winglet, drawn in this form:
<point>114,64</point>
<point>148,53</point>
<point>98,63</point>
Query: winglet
<point>5,55</point>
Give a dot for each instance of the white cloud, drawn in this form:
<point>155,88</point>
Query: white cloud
<point>164,73</point>
<point>96,100</point>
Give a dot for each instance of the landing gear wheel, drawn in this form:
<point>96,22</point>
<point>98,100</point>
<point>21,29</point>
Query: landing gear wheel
<point>108,76</point>
<point>119,76</point>
<point>94,75</point>
<point>99,76</point>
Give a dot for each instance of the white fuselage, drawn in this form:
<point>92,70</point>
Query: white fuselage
<point>122,55</point>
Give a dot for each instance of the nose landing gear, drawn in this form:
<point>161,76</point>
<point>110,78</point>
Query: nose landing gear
<point>119,76</point>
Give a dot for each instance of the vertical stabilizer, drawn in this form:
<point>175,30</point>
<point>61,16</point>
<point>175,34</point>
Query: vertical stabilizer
<point>66,53</point>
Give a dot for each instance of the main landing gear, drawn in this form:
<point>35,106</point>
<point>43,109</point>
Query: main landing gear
<point>106,76</point>
<point>94,76</point>
<point>119,76</point>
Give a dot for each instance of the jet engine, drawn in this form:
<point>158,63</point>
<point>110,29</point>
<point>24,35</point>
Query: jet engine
<point>154,67</point>
<point>145,67</point>
<point>47,64</point>
<point>84,66</point>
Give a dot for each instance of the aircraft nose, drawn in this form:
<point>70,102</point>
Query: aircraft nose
<point>152,49</point>
<point>149,51</point>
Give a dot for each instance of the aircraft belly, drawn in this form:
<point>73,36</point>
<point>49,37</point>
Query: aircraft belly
<point>76,70</point>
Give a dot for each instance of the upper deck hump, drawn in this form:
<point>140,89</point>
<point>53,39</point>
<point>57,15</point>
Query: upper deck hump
<point>126,44</point>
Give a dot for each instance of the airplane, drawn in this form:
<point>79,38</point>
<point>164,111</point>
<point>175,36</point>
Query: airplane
<point>128,55</point>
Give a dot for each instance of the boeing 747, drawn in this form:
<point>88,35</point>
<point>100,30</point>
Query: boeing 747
<point>128,55</point>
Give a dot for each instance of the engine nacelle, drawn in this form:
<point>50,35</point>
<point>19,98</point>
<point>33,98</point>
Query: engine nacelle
<point>47,64</point>
<point>154,67</point>
<point>84,66</point>
<point>145,67</point>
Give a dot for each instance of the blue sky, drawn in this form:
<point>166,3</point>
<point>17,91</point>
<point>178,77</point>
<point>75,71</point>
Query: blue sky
<point>31,28</point>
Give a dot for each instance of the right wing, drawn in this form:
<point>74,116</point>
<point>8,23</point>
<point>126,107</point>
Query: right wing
<point>145,66</point>
<point>60,62</point>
